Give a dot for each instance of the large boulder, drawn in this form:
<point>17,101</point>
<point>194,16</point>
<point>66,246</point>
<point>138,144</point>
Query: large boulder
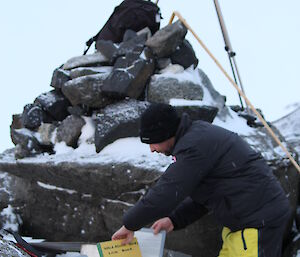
<point>87,90</point>
<point>77,196</point>
<point>118,121</point>
<point>165,41</point>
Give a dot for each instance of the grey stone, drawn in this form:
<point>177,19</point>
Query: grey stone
<point>46,133</point>
<point>184,55</point>
<point>124,62</point>
<point>129,34</point>
<point>27,143</point>
<point>21,152</point>
<point>85,61</point>
<point>162,89</point>
<point>59,77</point>
<point>83,71</point>
<point>162,63</point>
<point>117,121</point>
<point>26,138</point>
<point>134,45</point>
<point>12,192</point>
<point>70,130</point>
<point>32,116</point>
<point>107,48</point>
<point>166,40</point>
<point>67,214</point>
<point>206,113</point>
<point>118,208</point>
<point>146,31</point>
<point>87,90</point>
<point>76,110</point>
<point>130,81</point>
<point>54,103</point>
<point>16,123</point>
<point>74,211</point>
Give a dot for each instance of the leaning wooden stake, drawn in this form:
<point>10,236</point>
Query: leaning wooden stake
<point>236,87</point>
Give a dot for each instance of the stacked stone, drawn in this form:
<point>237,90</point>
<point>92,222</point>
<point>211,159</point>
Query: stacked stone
<point>114,86</point>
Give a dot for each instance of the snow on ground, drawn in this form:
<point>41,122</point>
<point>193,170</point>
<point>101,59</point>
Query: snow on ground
<point>129,150</point>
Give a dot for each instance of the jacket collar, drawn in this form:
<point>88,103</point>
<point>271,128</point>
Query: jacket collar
<point>185,123</point>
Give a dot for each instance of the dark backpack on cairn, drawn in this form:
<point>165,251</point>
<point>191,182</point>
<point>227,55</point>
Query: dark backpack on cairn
<point>130,14</point>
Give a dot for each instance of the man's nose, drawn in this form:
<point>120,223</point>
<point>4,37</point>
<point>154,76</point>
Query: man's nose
<point>152,148</point>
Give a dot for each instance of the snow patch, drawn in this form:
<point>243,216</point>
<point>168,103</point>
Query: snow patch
<point>52,187</point>
<point>235,123</point>
<point>12,221</point>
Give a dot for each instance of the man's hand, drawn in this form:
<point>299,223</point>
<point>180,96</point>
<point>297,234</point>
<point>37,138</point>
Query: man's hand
<point>123,233</point>
<point>162,224</point>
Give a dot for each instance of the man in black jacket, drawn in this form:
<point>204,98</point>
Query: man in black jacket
<point>214,169</point>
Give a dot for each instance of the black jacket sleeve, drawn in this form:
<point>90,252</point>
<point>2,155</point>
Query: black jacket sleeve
<point>186,213</point>
<point>176,184</point>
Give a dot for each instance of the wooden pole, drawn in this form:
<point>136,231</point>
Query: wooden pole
<point>236,87</point>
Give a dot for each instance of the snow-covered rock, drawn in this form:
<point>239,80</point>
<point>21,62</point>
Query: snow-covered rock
<point>289,127</point>
<point>8,249</point>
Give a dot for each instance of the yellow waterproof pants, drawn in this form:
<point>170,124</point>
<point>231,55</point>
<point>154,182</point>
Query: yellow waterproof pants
<point>242,243</point>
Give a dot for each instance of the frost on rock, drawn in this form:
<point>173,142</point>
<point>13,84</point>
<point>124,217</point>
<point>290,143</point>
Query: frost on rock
<point>9,249</point>
<point>87,90</point>
<point>118,121</point>
<point>85,60</point>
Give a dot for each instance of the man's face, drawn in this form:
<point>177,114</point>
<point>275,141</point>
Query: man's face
<point>163,147</point>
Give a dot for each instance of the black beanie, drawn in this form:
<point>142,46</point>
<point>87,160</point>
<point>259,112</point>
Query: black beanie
<point>158,123</point>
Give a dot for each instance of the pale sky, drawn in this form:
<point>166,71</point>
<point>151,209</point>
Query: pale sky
<point>38,36</point>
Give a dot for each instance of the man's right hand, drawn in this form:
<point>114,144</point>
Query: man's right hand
<point>123,233</point>
<point>162,224</point>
